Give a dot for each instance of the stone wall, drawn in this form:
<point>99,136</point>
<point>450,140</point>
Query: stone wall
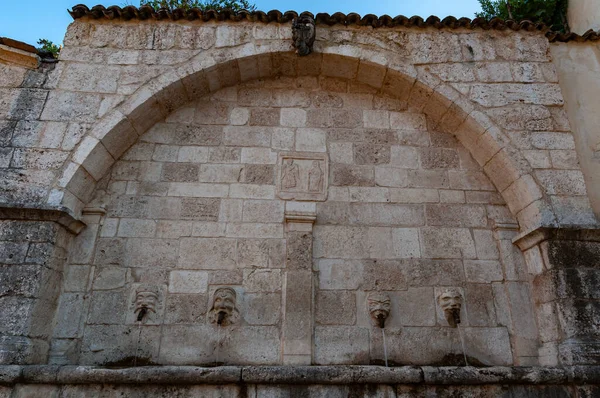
<point>204,155</point>
<point>196,204</point>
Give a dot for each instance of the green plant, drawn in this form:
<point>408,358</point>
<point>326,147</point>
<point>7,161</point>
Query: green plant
<point>550,12</point>
<point>46,46</point>
<point>235,5</point>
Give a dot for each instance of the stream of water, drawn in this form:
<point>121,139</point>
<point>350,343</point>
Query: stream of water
<point>384,347</point>
<point>462,343</point>
<point>218,344</point>
<point>137,343</point>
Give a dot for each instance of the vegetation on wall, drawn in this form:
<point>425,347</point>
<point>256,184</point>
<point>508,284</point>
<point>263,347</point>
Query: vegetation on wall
<point>235,5</point>
<point>48,47</point>
<point>550,12</point>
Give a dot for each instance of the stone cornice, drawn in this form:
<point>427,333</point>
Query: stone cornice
<point>190,375</point>
<point>60,215</point>
<point>537,236</point>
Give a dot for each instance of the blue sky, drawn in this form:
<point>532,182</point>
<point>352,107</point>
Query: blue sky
<point>49,19</point>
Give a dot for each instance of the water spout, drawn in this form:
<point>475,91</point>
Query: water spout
<point>221,317</point>
<point>381,320</point>
<point>143,311</point>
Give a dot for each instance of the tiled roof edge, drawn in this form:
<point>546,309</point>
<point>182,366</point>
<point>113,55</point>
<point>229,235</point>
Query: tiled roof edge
<point>147,12</point>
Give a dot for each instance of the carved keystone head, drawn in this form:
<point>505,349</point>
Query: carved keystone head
<point>224,311</point>
<point>450,300</point>
<point>303,34</point>
<point>379,306</point>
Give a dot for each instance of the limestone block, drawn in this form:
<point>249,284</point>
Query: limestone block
<point>406,242</point>
<point>341,345</point>
<point>495,72</point>
<point>338,118</point>
<point>262,308</point>
<point>521,117</point>
<point>205,209</point>
<point>547,140</point>
<point>344,175</point>
<point>263,211</point>
<point>196,345</point>
<point>38,159</point>
<point>12,252</point>
<point>76,278</point>
<point>451,196</point>
<point>428,179</point>
<point>262,280</point>
<point>90,78</point>
<point>258,156</point>
<point>335,308</point>
<point>562,182</point>
<point>231,210</point>
<point>377,119</point>
<point>208,229</point>
<point>188,282</point>
<point>198,190</point>
<point>108,307</point>
<point>282,138</point>
<point>412,195</point>
<point>310,140</point>
<point>211,112</point>
<point>340,242</point>
<point>252,191</point>
<point>186,308</point>
<point>564,159</point>
<point>456,215</point>
<point>180,172</point>
<point>404,157</point>
<point>260,174</point>
<point>384,275</point>
<point>447,243</point>
<point>335,274</point>
<point>439,158</point>
<point>239,116</point>
<point>207,253</point>
<point>134,228</point>
<point>470,180</point>
<point>246,136</point>
<point>492,95</point>
<point>109,278</point>
<point>253,230</point>
<point>365,153</point>
<point>71,106</point>
<point>105,344</point>
<point>70,313</point>
<point>151,253</point>
<point>540,159</point>
<point>341,152</point>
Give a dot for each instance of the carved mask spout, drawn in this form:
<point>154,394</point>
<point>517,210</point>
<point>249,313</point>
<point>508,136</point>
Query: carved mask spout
<point>379,306</point>
<point>450,300</point>
<point>145,302</point>
<point>224,311</point>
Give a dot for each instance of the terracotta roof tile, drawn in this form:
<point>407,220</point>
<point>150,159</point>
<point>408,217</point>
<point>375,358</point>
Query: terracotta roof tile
<point>147,12</point>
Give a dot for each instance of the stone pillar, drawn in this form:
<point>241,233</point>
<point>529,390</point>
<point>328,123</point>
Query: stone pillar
<point>583,15</point>
<point>33,249</point>
<point>298,286</point>
<point>565,265</point>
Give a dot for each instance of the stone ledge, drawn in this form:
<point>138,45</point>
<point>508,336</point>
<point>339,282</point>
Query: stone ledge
<point>61,215</point>
<point>188,375</point>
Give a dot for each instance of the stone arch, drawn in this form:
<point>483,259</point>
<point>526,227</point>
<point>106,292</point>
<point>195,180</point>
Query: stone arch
<point>447,109</point>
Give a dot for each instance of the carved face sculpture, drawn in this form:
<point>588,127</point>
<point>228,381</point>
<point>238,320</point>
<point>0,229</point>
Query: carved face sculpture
<point>379,306</point>
<point>303,34</point>
<point>145,299</point>
<point>224,311</point>
<point>450,300</point>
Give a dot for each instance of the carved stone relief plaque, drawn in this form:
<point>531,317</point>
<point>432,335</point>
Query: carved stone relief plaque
<point>302,176</point>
